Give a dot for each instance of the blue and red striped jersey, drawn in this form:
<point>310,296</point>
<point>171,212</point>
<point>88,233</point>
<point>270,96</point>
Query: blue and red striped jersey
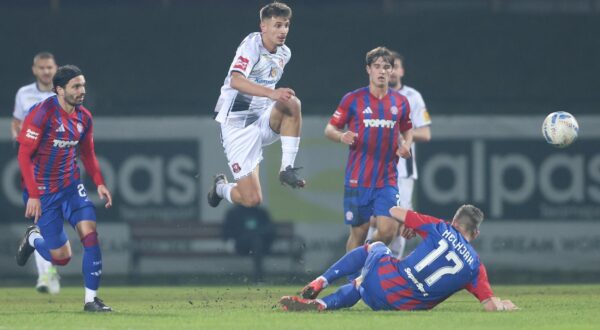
<point>442,264</point>
<point>378,123</point>
<point>49,142</point>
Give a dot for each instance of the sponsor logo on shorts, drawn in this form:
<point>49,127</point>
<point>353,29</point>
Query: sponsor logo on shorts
<point>349,215</point>
<point>236,168</point>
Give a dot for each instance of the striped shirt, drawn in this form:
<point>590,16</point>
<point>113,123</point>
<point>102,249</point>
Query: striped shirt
<point>49,142</point>
<point>378,122</point>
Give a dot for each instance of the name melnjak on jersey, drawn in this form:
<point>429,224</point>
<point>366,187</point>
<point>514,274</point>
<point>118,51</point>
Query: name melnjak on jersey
<point>458,246</point>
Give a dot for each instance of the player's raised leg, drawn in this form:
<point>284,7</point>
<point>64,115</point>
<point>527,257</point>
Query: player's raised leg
<point>246,191</point>
<point>286,119</point>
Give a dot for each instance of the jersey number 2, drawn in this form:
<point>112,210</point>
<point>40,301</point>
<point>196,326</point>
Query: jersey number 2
<point>81,190</point>
<point>432,256</point>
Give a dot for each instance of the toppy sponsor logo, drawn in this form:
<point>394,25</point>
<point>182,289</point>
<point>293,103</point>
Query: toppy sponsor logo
<point>31,134</point>
<point>383,123</point>
<point>64,144</point>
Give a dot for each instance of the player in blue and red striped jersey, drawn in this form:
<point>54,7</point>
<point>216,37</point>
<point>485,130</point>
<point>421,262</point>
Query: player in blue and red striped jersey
<point>53,191</point>
<point>377,117</point>
<point>441,265</point>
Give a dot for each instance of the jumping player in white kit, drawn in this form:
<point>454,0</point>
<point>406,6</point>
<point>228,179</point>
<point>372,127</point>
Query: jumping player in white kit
<point>44,68</point>
<point>407,168</point>
<point>254,113</point>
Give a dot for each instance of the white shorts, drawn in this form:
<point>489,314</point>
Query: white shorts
<point>405,192</point>
<point>243,145</point>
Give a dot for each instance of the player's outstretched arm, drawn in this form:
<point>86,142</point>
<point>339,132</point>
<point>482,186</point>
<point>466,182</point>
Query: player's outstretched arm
<point>244,85</point>
<point>399,213</point>
<point>495,304</point>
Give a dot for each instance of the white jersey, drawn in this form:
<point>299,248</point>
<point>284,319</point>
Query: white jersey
<point>407,168</point>
<point>27,97</point>
<point>258,65</point>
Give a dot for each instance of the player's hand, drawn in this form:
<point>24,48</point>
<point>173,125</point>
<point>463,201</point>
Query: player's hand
<point>496,304</point>
<point>33,209</point>
<point>509,305</point>
<point>282,94</point>
<point>403,151</point>
<point>104,193</point>
<point>407,233</point>
<point>348,138</point>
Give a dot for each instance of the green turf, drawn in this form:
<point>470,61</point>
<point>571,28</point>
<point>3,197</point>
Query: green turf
<point>542,307</point>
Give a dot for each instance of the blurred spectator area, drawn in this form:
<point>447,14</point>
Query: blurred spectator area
<point>169,57</point>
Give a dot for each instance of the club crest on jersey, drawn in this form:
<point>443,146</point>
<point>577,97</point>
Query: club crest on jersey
<point>281,63</point>
<point>273,72</point>
<point>241,63</point>
<point>236,168</point>
<point>64,143</point>
<point>394,110</point>
<point>79,128</point>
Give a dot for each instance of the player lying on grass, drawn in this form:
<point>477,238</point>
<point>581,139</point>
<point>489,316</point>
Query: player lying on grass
<point>442,264</point>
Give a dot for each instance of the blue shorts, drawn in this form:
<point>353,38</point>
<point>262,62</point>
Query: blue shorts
<point>370,289</point>
<point>70,204</point>
<point>361,203</point>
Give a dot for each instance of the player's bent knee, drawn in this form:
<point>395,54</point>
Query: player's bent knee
<point>90,239</point>
<point>61,261</point>
<point>252,200</point>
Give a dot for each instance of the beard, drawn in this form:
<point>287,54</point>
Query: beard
<point>72,100</point>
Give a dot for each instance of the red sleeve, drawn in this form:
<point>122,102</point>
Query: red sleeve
<point>87,154</point>
<point>405,122</point>
<point>341,114</point>
<point>415,220</point>
<point>29,140</point>
<point>480,287</point>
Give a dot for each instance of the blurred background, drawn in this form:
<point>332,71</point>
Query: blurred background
<point>489,71</point>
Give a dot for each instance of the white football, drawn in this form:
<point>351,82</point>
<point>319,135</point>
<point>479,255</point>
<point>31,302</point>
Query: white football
<point>560,129</point>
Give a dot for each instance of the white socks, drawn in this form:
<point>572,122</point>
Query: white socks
<point>224,190</point>
<point>33,237</point>
<point>89,295</point>
<point>42,264</point>
<point>397,246</point>
<point>370,233</point>
<point>289,150</point>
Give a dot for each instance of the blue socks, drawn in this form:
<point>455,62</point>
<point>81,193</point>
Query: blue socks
<point>351,263</point>
<point>40,246</point>
<point>346,296</point>
<point>92,261</point>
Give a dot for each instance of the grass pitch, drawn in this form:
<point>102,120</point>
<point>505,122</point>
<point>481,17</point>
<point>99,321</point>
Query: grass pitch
<point>255,307</point>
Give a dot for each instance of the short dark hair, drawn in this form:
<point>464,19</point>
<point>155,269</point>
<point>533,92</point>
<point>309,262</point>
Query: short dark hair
<point>382,52</point>
<point>43,56</point>
<point>470,217</point>
<point>275,9</point>
<point>64,74</point>
<point>398,56</point>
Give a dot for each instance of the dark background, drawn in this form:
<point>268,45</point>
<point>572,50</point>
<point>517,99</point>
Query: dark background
<point>170,57</point>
